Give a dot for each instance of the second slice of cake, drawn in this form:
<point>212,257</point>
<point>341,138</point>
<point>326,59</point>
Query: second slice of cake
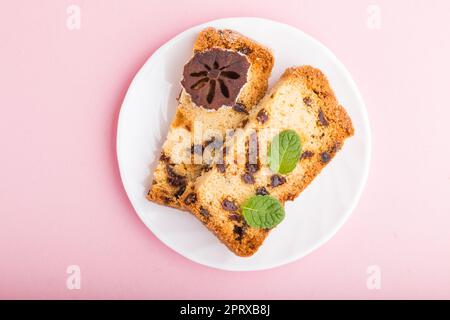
<point>303,111</point>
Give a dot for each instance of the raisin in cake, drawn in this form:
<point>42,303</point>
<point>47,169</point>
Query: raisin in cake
<point>225,78</point>
<point>302,101</point>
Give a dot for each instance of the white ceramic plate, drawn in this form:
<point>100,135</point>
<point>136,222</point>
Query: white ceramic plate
<point>312,219</point>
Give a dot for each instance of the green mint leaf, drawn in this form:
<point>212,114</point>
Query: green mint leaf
<point>262,212</point>
<point>284,152</point>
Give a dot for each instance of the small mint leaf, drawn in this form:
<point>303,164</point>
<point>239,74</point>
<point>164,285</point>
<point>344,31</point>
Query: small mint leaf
<point>262,211</point>
<point>284,152</point>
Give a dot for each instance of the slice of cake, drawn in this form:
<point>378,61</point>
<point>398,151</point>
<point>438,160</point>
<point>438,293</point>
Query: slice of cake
<point>301,122</point>
<point>226,77</point>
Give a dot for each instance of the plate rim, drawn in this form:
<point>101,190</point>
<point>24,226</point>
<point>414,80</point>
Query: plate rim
<point>365,119</point>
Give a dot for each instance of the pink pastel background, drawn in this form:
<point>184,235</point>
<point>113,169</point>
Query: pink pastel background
<point>62,202</point>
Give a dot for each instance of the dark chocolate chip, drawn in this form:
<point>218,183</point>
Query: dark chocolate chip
<point>190,198</point>
<point>229,205</point>
<point>173,178</point>
<point>235,217</point>
<point>323,121</point>
<point>220,167</point>
<point>307,101</point>
<point>251,167</point>
<point>248,178</point>
<point>239,107</point>
<point>204,212</point>
<point>325,157</point>
<point>262,116</point>
<point>215,77</point>
<point>239,231</point>
<point>277,180</point>
<point>307,154</point>
<point>180,191</point>
<point>261,191</point>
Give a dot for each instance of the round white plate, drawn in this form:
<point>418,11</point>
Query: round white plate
<point>312,219</point>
